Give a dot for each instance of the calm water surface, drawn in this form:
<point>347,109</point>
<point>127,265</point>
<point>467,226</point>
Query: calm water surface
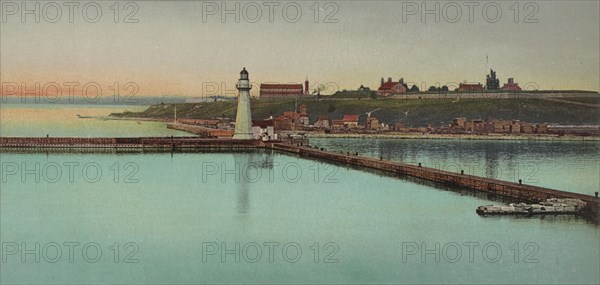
<point>572,166</point>
<point>38,120</point>
<point>186,218</point>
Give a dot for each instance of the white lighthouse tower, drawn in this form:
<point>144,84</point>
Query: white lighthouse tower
<point>243,120</point>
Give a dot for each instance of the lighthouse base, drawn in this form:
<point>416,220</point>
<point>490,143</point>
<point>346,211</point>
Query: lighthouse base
<point>243,136</point>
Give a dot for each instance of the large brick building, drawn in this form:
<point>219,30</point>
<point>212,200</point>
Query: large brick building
<point>275,91</point>
<point>469,87</point>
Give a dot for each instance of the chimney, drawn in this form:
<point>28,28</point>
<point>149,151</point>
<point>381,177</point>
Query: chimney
<point>382,81</point>
<point>511,81</point>
<point>389,80</point>
<point>402,80</point>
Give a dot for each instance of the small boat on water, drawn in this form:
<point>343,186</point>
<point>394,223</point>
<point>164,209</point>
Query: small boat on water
<point>550,206</point>
<point>84,117</point>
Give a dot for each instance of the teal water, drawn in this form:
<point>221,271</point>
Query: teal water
<point>60,120</point>
<point>168,218</point>
<point>572,166</point>
<point>176,206</point>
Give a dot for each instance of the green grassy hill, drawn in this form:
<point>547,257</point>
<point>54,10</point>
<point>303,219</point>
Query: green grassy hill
<point>420,112</point>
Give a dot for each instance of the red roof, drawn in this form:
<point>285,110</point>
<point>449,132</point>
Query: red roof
<point>262,123</point>
<point>281,86</point>
<point>469,87</point>
<point>350,118</point>
<point>281,90</point>
<point>388,85</point>
<point>511,87</point>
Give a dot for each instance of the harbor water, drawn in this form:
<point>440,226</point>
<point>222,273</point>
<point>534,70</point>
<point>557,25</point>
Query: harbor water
<point>269,217</point>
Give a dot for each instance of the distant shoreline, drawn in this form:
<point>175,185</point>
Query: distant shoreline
<point>458,137</point>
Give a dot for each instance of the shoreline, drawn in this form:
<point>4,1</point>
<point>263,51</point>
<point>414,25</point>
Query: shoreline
<point>128,118</point>
<point>395,135</point>
<point>458,137</point>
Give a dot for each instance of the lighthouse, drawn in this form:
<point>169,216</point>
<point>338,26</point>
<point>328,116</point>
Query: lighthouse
<point>243,120</point>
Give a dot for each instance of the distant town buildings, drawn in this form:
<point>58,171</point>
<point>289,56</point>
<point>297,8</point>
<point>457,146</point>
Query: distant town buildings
<point>350,121</point>
<point>479,126</point>
<point>372,124</point>
<point>263,129</point>
<point>492,83</point>
<point>275,91</point>
<point>291,120</point>
<point>294,122</point>
<point>322,122</point>
<point>511,86</point>
<point>298,121</point>
<point>469,87</point>
<point>337,124</point>
<point>390,87</point>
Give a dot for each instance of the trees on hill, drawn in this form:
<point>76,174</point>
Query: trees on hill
<point>443,89</point>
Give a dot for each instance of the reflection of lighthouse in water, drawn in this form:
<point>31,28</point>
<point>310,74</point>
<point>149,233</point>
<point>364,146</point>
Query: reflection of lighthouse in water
<point>243,199</point>
<point>246,162</point>
<point>243,120</point>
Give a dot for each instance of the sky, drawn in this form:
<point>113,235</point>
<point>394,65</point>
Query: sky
<point>197,48</point>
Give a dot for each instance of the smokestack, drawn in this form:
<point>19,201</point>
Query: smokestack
<point>306,91</point>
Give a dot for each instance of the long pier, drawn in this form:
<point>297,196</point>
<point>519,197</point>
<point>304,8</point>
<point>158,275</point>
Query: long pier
<point>520,192</point>
<point>157,143</point>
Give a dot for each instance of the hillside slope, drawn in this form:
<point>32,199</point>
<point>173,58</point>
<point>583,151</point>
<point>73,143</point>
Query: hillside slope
<point>420,112</point>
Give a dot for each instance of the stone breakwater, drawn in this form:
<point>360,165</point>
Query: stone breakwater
<point>520,192</point>
<point>168,143</point>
